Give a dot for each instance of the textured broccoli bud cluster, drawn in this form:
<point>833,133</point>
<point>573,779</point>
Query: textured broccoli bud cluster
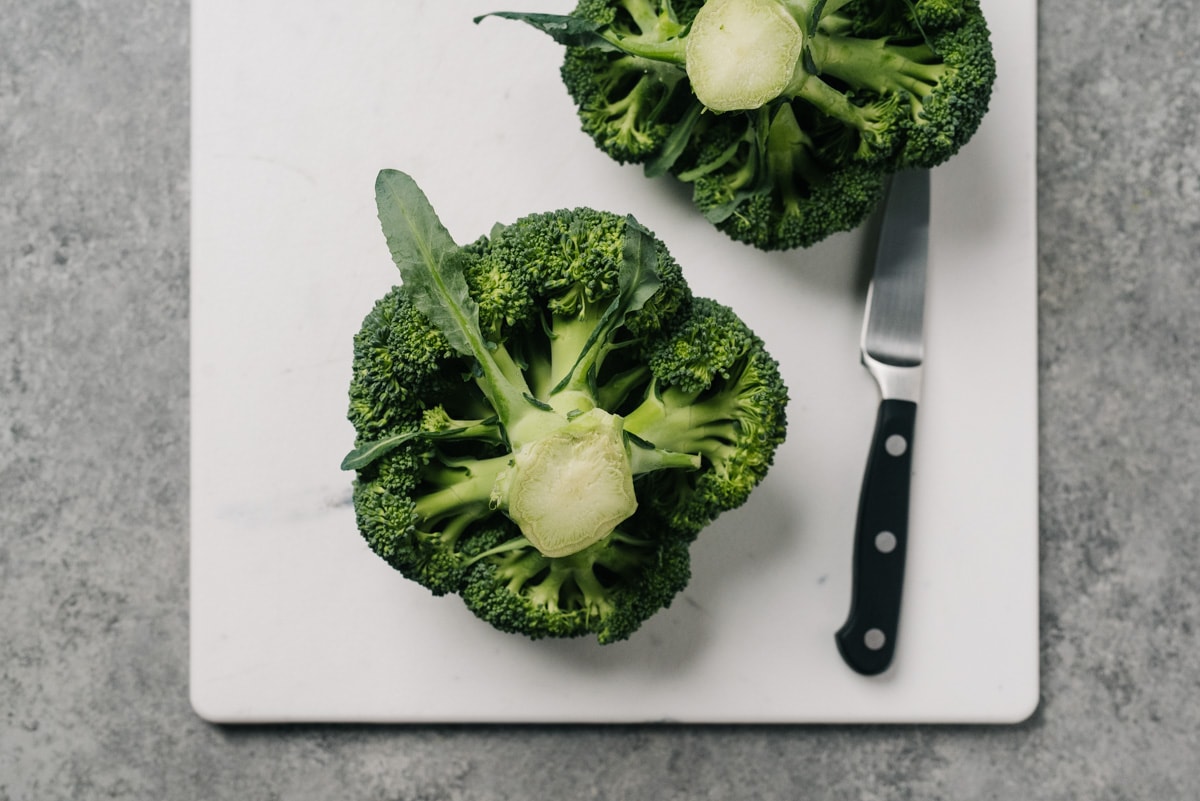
<point>786,116</point>
<point>547,417</point>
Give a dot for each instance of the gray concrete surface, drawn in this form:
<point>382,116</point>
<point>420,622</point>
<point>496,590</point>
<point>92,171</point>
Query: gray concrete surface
<point>94,479</point>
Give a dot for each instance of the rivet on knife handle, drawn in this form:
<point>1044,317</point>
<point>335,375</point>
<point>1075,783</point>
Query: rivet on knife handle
<point>867,641</point>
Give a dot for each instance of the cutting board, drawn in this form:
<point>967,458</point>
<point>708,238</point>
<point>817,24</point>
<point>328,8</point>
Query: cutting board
<point>296,108</point>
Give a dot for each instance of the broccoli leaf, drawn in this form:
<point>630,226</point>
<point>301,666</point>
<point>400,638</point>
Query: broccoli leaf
<point>433,270</point>
<point>675,144</point>
<point>368,452</point>
<point>638,279</point>
<point>429,261</point>
<point>637,282</point>
<point>566,30</point>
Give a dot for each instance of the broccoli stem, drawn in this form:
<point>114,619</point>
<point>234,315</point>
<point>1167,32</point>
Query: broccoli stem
<point>508,546</point>
<point>549,591</point>
<point>595,600</point>
<point>623,116</point>
<point>864,119</point>
<point>658,33</point>
<point>705,168</point>
<point>453,531</point>
<point>504,374</point>
<point>645,15</point>
<point>567,582</point>
<point>648,460</point>
<point>616,388</point>
<point>684,423</point>
<point>811,88</point>
<point>788,155</point>
<point>461,485</point>
<point>670,51</point>
<point>437,424</point>
<point>519,567</point>
<point>578,347</point>
<point>878,65</point>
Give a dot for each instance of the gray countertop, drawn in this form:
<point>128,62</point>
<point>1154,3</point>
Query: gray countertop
<point>94,465</point>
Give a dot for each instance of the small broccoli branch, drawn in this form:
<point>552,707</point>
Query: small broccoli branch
<point>788,157</point>
<point>879,65</point>
<point>646,16</point>
<point>436,425</point>
<point>723,178</point>
<point>581,341</point>
<point>543,581</point>
<point>568,583</point>
<point>874,122</point>
<point>627,121</point>
<point>612,392</point>
<point>657,38</point>
<point>518,567</point>
<point>715,162</point>
<point>458,486</point>
<point>576,346</point>
<point>707,425</point>
<point>645,457</point>
<point>437,547</point>
<point>658,32</point>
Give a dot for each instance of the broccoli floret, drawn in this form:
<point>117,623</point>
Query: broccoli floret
<point>787,116</point>
<point>608,589</point>
<point>547,417</point>
<point>713,393</point>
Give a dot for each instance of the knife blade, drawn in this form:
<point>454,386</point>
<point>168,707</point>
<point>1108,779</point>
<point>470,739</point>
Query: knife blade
<point>892,350</point>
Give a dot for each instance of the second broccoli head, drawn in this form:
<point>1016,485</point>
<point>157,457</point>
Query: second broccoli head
<point>785,116</point>
<point>547,417</point>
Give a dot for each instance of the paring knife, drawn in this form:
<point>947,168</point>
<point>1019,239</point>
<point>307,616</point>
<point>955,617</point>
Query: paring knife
<point>892,351</point>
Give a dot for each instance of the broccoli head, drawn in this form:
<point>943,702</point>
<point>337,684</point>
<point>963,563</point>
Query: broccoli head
<point>547,417</point>
<point>786,116</point>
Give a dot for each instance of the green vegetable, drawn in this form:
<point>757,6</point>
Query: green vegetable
<point>547,417</point>
<point>785,116</point>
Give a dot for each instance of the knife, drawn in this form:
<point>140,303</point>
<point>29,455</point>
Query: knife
<point>892,351</point>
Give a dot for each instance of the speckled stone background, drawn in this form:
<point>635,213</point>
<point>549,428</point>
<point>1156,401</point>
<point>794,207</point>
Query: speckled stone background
<point>94,481</point>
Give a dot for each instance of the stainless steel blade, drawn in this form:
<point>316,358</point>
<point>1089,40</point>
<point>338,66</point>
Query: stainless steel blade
<point>893,328</point>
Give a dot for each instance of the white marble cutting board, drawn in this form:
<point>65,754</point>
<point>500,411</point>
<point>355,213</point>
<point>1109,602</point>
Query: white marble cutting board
<point>295,109</point>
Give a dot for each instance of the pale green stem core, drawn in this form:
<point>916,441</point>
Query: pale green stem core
<point>571,488</point>
<point>742,54</point>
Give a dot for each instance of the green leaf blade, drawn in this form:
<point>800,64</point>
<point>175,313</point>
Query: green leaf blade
<point>638,279</point>
<point>562,28</point>
<point>433,273</point>
<point>637,282</point>
<point>675,143</point>
<point>430,263</point>
<point>365,454</point>
<point>368,452</point>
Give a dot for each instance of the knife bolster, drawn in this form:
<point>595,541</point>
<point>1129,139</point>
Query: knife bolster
<point>895,382</point>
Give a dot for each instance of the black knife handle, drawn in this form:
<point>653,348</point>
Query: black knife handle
<point>867,640</point>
